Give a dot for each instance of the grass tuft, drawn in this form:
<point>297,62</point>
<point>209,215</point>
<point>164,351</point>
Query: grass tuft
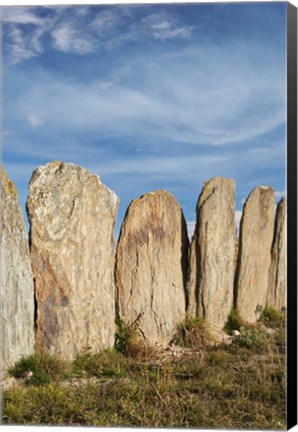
<point>253,339</point>
<point>129,342</point>
<point>39,369</point>
<point>234,322</point>
<point>123,337</point>
<point>108,363</point>
<point>193,333</point>
<point>273,318</point>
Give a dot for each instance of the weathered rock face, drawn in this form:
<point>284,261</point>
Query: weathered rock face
<point>277,289</point>
<point>72,216</point>
<point>213,253</point>
<point>151,266</point>
<point>256,235</point>
<point>17,291</point>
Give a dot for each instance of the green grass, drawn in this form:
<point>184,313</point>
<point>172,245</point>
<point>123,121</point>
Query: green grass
<point>124,337</point>
<point>42,367</point>
<point>253,338</point>
<point>234,322</point>
<point>109,363</point>
<point>235,386</point>
<point>273,318</point>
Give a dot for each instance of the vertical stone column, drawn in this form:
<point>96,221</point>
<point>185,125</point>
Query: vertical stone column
<point>17,291</point>
<point>254,258</point>
<point>277,289</point>
<point>213,253</point>
<point>151,266</point>
<point>72,216</point>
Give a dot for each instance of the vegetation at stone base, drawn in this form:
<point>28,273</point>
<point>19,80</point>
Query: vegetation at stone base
<point>129,343</point>
<point>273,318</point>
<point>254,339</point>
<point>124,336</point>
<point>236,386</point>
<point>234,322</point>
<point>193,333</point>
<point>39,369</point>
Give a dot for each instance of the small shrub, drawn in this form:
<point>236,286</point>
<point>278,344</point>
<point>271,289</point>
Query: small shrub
<point>40,368</point>
<point>80,363</point>
<point>129,342</point>
<point>193,333</point>
<point>252,338</point>
<point>123,337</point>
<point>273,318</point>
<point>140,350</point>
<point>234,322</point>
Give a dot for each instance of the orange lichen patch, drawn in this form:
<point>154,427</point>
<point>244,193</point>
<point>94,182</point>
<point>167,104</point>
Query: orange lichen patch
<point>7,184</point>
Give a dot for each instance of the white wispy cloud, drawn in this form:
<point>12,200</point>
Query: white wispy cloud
<point>34,120</point>
<point>18,48</point>
<point>118,26</point>
<point>20,15</point>
<point>194,110</point>
<point>166,30</point>
<point>80,30</point>
<point>105,21</point>
<point>22,31</point>
<point>67,38</point>
<point>164,25</point>
<point>190,52</point>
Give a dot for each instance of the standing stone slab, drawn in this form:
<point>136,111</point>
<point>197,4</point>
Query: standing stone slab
<point>151,266</point>
<point>254,259</point>
<point>72,216</point>
<point>17,291</point>
<point>277,290</point>
<point>212,253</point>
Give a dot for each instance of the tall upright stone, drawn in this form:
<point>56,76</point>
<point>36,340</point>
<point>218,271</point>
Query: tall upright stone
<point>72,216</point>
<point>212,253</point>
<point>17,290</point>
<point>277,289</point>
<point>151,266</point>
<point>254,258</point>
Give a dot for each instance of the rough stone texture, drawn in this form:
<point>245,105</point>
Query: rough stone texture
<point>277,289</point>
<point>151,266</point>
<point>212,253</point>
<point>256,235</point>
<point>17,291</point>
<point>72,216</point>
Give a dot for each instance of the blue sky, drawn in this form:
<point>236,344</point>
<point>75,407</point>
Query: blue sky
<point>148,96</point>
